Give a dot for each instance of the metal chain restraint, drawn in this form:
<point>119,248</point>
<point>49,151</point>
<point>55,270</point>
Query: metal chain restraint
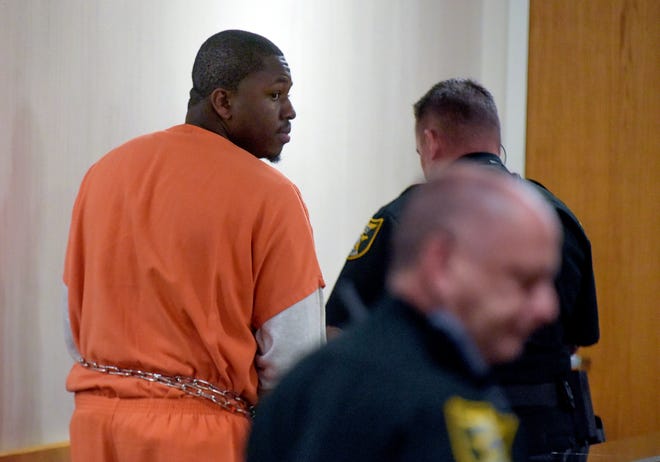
<point>227,400</point>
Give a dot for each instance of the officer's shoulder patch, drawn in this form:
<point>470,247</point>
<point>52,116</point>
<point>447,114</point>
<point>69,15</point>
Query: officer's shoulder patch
<point>478,432</point>
<point>367,238</point>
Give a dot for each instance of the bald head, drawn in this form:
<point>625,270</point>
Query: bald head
<point>483,246</point>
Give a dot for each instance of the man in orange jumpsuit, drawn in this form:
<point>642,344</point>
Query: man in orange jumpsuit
<point>192,278</point>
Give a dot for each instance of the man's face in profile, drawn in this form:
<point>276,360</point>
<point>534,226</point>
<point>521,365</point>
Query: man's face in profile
<point>261,111</point>
<point>502,284</point>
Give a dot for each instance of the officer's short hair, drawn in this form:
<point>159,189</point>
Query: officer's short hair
<point>462,106</point>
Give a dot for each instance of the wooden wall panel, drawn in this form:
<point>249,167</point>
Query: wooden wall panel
<point>593,136</point>
<point>50,453</point>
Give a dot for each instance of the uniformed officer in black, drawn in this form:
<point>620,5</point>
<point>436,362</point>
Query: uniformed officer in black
<point>456,120</point>
<point>412,383</point>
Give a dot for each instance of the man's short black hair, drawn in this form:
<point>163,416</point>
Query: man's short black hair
<point>461,105</point>
<point>225,59</point>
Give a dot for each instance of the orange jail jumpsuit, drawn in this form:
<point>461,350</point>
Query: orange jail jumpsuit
<point>181,247</point>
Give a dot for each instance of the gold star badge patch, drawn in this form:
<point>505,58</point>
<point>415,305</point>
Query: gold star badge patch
<point>367,238</point>
<point>478,432</point>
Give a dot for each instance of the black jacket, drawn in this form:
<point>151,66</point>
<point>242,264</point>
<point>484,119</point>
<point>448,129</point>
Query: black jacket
<point>537,382</point>
<point>391,389</point>
<point>547,353</point>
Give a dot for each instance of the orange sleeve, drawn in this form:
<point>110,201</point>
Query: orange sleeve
<point>73,264</point>
<point>286,269</point>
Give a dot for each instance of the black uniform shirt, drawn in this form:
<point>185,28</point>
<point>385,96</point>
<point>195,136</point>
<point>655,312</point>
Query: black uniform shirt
<point>547,353</point>
<point>393,388</point>
<point>361,282</point>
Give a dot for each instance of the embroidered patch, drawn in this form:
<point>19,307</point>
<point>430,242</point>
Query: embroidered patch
<point>367,238</point>
<point>478,432</point>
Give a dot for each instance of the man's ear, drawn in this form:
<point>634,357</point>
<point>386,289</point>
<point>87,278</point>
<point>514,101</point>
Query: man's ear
<point>434,261</point>
<point>221,102</point>
<point>433,142</point>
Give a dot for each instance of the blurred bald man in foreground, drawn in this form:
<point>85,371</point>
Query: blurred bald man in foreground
<point>472,276</point>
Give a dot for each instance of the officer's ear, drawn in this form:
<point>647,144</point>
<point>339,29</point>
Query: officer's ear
<point>426,148</point>
<point>221,102</point>
<point>434,144</point>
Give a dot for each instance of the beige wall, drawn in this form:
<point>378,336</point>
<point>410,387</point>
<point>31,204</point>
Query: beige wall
<point>77,77</point>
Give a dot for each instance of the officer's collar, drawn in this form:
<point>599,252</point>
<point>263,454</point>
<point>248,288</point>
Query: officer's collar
<point>444,321</point>
<point>483,158</point>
